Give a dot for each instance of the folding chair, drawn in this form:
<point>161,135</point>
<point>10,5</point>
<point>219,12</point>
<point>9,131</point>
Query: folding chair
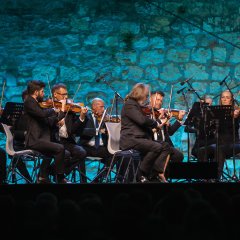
<point>15,156</point>
<point>123,163</point>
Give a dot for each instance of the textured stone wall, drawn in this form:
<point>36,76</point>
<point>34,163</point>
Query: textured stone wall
<point>76,41</point>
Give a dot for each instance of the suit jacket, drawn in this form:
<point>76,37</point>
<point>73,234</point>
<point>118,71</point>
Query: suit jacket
<point>168,131</point>
<point>134,124</point>
<point>38,121</point>
<point>74,127</point>
<point>88,131</point>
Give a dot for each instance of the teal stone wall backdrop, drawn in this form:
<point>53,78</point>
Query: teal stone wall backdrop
<point>76,41</point>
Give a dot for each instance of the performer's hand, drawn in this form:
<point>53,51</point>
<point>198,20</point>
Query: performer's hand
<point>164,121</point>
<point>236,113</point>
<point>61,123</point>
<point>103,130</point>
<point>181,114</point>
<point>162,113</point>
<point>154,130</point>
<point>83,113</point>
<point>64,101</point>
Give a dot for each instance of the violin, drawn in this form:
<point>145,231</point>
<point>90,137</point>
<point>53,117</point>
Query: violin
<point>148,110</point>
<point>69,107</point>
<point>110,118</point>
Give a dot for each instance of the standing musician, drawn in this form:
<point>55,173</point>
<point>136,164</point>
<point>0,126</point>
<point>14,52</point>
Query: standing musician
<point>167,129</point>
<point>67,128</point>
<point>135,135</point>
<point>94,138</point>
<point>225,137</point>
<point>38,128</point>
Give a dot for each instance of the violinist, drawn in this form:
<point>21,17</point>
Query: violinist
<point>226,143</point>
<point>3,160</point>
<point>135,135</point>
<point>95,143</point>
<point>38,128</point>
<point>67,128</point>
<point>167,129</point>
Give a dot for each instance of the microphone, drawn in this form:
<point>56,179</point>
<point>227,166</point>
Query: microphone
<point>182,83</point>
<point>221,83</point>
<point>179,91</point>
<point>103,76</point>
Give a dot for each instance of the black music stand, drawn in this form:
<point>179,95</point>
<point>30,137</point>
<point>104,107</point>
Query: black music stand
<point>196,122</point>
<point>223,116</point>
<point>11,113</point>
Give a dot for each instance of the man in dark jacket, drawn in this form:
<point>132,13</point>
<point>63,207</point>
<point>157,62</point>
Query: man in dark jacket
<point>38,130</point>
<point>135,135</point>
<point>168,129</point>
<point>65,132</point>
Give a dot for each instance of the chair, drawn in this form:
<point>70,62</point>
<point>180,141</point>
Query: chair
<point>119,160</point>
<point>15,156</point>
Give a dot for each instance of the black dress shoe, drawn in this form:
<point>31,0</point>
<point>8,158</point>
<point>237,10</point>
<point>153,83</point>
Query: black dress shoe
<point>43,180</point>
<point>143,179</point>
<point>64,181</point>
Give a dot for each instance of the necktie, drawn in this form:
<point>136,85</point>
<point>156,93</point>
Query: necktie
<point>97,137</point>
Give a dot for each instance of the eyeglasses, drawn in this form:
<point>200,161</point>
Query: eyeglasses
<point>62,94</point>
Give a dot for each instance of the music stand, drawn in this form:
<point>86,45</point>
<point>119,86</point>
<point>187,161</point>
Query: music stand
<point>11,113</point>
<point>195,119</point>
<point>222,116</point>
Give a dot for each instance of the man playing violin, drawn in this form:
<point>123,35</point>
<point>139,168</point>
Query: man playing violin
<point>67,128</point>
<point>38,135</point>
<point>135,135</point>
<point>94,137</point>
<point>167,129</point>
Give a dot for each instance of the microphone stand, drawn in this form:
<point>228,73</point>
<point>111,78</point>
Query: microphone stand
<point>117,96</point>
<point>204,116</point>
<point>188,136</point>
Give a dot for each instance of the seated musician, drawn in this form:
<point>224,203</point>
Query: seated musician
<point>225,137</point>
<point>95,143</point>
<point>67,128</point>
<point>167,129</point>
<point>135,135</point>
<point>38,129</point>
<point>3,159</point>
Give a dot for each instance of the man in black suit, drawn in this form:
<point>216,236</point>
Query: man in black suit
<point>38,130</point>
<point>167,129</point>
<point>135,135</point>
<point>94,141</point>
<point>66,130</point>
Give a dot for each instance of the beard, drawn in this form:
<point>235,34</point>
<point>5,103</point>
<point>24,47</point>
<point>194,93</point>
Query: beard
<point>39,98</point>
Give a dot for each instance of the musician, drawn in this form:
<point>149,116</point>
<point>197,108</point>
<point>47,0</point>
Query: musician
<point>3,161</point>
<point>67,128</point>
<point>225,137</point>
<point>95,143</point>
<point>38,128</point>
<point>19,131</point>
<point>135,135</point>
<point>167,129</point>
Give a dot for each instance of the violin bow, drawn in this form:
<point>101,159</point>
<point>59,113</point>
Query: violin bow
<point>3,88</point>
<point>150,99</point>
<point>170,99</point>
<point>79,85</point>
<point>99,126</point>
<point>49,88</point>
<point>113,102</point>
